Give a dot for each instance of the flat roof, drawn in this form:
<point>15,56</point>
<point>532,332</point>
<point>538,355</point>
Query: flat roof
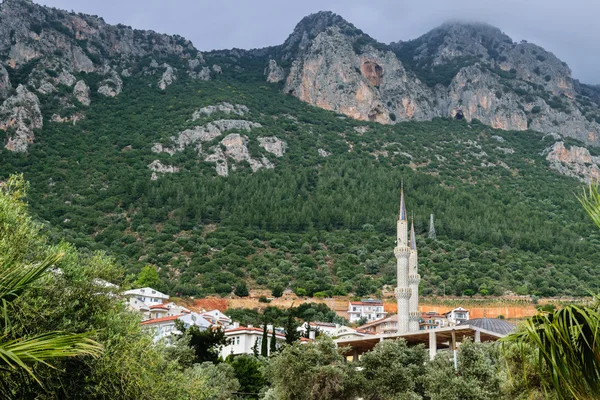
<point>443,338</point>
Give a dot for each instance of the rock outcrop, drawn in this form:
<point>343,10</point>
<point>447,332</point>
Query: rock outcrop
<point>111,86</point>
<point>234,146</point>
<point>274,72</point>
<point>323,152</point>
<point>574,161</point>
<point>81,91</point>
<point>226,108</point>
<point>19,116</point>
<point>159,168</point>
<point>72,118</point>
<point>273,145</point>
<point>167,77</point>
<point>204,133</point>
<point>230,150</point>
<point>5,85</point>
<point>56,45</point>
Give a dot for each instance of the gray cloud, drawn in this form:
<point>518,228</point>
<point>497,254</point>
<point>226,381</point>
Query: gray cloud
<point>567,28</point>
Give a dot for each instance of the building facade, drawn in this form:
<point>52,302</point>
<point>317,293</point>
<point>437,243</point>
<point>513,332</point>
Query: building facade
<point>407,268</point>
<point>164,327</point>
<point>457,316</point>
<point>247,340</point>
<point>368,309</point>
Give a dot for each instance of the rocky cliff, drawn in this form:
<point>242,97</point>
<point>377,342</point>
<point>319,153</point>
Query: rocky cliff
<point>54,53</point>
<point>470,71</point>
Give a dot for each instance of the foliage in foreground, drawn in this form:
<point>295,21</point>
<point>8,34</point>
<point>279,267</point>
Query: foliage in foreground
<point>75,298</point>
<point>392,371</point>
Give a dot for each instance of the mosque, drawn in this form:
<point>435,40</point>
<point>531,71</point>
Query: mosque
<point>408,317</point>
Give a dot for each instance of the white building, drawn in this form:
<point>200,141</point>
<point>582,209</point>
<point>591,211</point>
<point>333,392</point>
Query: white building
<point>432,320</point>
<point>321,327</point>
<point>216,317</point>
<point>147,295</point>
<point>369,309</point>
<point>335,331</point>
<point>244,339</point>
<point>165,326</point>
<point>457,316</point>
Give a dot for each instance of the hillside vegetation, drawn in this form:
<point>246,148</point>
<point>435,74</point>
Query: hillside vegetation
<point>504,221</point>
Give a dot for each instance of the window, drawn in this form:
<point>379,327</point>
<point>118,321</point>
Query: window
<point>237,340</point>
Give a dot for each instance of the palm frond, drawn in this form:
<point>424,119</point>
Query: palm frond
<point>15,278</point>
<point>22,353</point>
<point>567,340</point>
<point>590,200</point>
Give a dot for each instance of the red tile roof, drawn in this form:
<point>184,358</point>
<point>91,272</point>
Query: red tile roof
<point>163,319</point>
<point>159,306</point>
<point>366,303</point>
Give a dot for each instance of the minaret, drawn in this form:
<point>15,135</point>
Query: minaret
<point>402,253</point>
<point>431,228</point>
<point>413,282</point>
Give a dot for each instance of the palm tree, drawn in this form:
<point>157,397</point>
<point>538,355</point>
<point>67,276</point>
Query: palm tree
<point>568,339</point>
<point>567,342</point>
<point>24,352</point>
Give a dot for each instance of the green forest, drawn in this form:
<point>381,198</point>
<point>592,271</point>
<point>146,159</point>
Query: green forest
<point>320,225</point>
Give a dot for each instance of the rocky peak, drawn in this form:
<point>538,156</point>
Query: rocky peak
<point>468,69</point>
<point>310,27</point>
<point>454,42</point>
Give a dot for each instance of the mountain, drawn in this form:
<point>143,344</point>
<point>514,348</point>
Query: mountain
<point>467,69</point>
<point>213,168</point>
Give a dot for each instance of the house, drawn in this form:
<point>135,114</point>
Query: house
<point>321,327</point>
<point>457,316</point>
<point>335,331</point>
<point>153,310</point>
<point>432,320</point>
<point>216,317</point>
<point>369,309</point>
<point>165,326</point>
<point>147,295</point>
<point>244,339</point>
<point>382,325</point>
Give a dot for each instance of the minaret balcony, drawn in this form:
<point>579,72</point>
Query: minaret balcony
<point>403,293</point>
<point>402,251</point>
<point>414,316</point>
<point>414,279</point>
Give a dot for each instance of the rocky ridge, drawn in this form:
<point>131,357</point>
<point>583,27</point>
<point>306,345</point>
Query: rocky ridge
<point>227,152</point>
<point>469,70</point>
<point>43,48</point>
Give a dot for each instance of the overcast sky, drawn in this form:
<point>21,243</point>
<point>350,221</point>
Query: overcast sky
<point>568,28</point>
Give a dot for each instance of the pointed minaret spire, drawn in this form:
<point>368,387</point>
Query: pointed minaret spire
<point>413,239</point>
<point>402,211</point>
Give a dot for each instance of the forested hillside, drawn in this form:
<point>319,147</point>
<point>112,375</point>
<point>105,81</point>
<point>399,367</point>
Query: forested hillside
<point>138,144</point>
<point>320,223</point>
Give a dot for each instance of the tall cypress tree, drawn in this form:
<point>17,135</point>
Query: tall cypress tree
<point>273,346</point>
<point>264,349</point>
